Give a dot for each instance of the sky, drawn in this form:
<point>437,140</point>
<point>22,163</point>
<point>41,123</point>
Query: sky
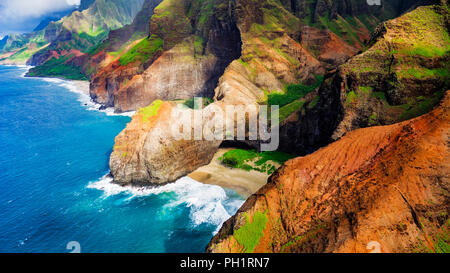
<point>18,16</point>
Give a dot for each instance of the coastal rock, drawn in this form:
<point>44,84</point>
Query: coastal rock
<point>384,186</point>
<point>146,152</point>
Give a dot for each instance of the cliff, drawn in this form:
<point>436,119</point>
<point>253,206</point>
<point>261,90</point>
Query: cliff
<point>120,40</point>
<point>146,152</point>
<point>186,52</point>
<point>400,76</point>
<point>388,185</point>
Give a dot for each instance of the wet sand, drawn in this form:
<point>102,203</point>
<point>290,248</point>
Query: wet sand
<point>245,183</point>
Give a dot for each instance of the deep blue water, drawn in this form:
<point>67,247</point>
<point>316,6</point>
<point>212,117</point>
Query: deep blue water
<point>54,155</point>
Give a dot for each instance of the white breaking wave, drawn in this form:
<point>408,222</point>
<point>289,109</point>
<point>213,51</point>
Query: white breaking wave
<point>84,97</point>
<point>206,202</point>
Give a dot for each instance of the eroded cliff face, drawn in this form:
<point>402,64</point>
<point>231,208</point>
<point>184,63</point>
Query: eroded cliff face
<point>401,76</point>
<point>199,40</point>
<point>120,40</point>
<point>389,185</point>
<point>149,152</point>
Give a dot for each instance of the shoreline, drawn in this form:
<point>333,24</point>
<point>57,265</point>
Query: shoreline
<point>245,183</point>
<point>80,87</point>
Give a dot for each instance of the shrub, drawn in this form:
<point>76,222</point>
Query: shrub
<point>293,92</point>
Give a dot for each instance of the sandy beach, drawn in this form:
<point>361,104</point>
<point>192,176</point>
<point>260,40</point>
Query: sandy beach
<point>245,183</point>
<point>83,86</point>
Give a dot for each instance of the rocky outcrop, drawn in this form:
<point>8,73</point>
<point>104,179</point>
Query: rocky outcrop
<point>384,186</point>
<point>147,152</point>
<point>327,46</point>
<point>177,74</point>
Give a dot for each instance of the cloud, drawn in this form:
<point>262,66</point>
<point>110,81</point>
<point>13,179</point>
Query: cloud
<point>21,15</point>
<point>18,9</point>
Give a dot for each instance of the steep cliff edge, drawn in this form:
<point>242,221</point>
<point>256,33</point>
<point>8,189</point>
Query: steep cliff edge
<point>389,185</point>
<point>147,152</point>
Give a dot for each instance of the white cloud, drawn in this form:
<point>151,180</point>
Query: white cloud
<point>19,16</point>
<point>26,9</point>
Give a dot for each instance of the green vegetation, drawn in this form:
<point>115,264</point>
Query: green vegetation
<point>198,45</point>
<point>150,111</point>
<point>191,103</point>
<point>249,234</point>
<point>430,37</point>
<point>301,240</point>
<point>314,102</point>
<point>58,68</point>
<point>440,241</point>
<point>420,106</point>
<point>292,107</point>
<point>373,119</point>
<point>343,28</point>
<point>291,243</point>
<point>251,160</point>
<point>379,95</point>
<point>23,55</point>
<point>424,73</point>
<point>351,96</point>
<point>143,51</point>
<point>292,92</point>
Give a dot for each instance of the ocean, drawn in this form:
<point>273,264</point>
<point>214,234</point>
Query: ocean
<point>54,187</point>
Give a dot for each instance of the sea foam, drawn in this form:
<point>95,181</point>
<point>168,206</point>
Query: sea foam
<point>206,202</point>
<point>84,97</point>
